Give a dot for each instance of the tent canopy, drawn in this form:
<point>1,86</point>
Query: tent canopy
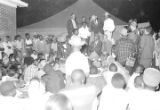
<point>57,24</point>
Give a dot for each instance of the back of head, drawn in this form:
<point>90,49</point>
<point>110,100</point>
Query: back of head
<point>118,81</point>
<point>36,88</point>
<point>8,89</point>
<point>113,67</point>
<point>93,70</point>
<point>78,76</point>
<point>58,102</point>
<point>140,69</point>
<point>138,82</point>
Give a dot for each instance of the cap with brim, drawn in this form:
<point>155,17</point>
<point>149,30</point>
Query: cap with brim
<point>151,77</point>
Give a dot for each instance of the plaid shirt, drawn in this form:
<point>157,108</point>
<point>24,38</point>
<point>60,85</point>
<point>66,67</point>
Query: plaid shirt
<point>123,49</point>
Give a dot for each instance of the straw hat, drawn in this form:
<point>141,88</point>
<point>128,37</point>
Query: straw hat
<point>151,77</point>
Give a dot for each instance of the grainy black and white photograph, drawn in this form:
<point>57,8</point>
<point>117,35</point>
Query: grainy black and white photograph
<point>79,54</point>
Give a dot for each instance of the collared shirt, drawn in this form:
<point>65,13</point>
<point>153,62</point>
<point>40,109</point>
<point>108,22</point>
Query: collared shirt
<point>113,99</point>
<point>124,48</point>
<point>109,25</point>
<point>30,72</point>
<point>84,32</point>
<point>77,60</point>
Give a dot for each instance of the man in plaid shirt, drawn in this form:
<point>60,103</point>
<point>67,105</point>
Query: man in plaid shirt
<point>124,48</point>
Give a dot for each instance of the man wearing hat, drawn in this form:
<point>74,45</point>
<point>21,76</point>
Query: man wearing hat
<point>108,26</point>
<point>76,59</point>
<point>124,48</point>
<point>72,24</point>
<point>147,98</point>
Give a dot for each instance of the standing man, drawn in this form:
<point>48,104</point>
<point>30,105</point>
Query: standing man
<point>76,59</point>
<point>85,34</point>
<point>146,48</point>
<point>108,27</point>
<point>71,25</point>
<point>124,48</point>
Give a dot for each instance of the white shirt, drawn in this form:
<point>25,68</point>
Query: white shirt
<point>144,100</point>
<point>84,32</point>
<point>8,48</point>
<point>11,103</point>
<point>18,44</point>
<point>109,25</point>
<point>76,60</point>
<point>131,80</point>
<point>113,99</point>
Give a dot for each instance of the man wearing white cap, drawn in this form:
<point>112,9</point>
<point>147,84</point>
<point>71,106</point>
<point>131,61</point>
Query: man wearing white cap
<point>76,59</point>
<point>108,26</point>
<point>147,98</point>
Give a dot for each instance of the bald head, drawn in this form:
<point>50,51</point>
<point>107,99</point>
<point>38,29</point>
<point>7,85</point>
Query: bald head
<point>78,76</point>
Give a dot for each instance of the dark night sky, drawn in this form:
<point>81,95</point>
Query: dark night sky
<point>143,10</point>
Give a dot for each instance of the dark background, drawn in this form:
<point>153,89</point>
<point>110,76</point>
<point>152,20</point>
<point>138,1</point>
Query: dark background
<point>143,10</point>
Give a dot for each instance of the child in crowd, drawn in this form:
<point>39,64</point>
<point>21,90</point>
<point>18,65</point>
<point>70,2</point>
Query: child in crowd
<point>139,71</point>
<point>34,54</point>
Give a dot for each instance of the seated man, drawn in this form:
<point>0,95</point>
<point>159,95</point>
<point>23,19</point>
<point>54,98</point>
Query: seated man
<point>54,80</point>
<point>96,47</point>
<point>114,96</point>
<point>58,102</point>
<point>83,97</point>
<point>8,99</point>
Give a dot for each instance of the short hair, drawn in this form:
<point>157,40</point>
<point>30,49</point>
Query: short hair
<point>74,30</point>
<point>7,37</point>
<point>58,102</point>
<point>140,66</point>
<point>113,67</point>
<point>27,34</point>
<point>138,82</point>
<point>118,81</point>
<point>16,37</point>
<point>78,75</point>
<point>7,88</point>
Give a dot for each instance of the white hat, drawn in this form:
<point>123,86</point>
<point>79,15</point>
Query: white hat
<point>106,14</point>
<point>151,77</point>
<point>76,42</point>
<point>124,32</point>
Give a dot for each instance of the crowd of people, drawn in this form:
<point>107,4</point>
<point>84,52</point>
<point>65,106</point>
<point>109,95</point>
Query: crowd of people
<point>88,69</point>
